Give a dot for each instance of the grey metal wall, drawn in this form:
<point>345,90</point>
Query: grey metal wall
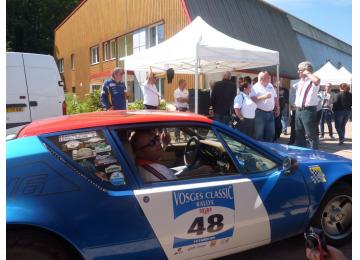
<point>261,24</point>
<point>319,53</point>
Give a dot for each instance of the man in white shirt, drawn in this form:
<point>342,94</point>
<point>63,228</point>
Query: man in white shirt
<point>306,102</point>
<point>264,95</point>
<point>150,93</point>
<point>181,96</point>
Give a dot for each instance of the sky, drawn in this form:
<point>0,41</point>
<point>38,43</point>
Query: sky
<point>331,16</point>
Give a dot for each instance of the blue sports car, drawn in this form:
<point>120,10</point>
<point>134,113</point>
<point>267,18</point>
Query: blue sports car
<point>157,185</point>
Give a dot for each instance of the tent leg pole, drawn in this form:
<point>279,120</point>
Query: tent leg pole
<point>278,78</point>
<point>126,85</point>
<point>197,86</point>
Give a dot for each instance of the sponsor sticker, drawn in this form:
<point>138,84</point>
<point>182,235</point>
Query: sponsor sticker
<point>203,215</point>
<point>70,137</point>
<point>117,178</point>
<point>316,174</point>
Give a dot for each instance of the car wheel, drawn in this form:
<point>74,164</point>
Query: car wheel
<point>334,216</point>
<point>33,245</point>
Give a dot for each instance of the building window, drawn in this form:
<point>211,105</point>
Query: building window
<point>94,87</point>
<point>160,85</point>
<point>73,89</point>
<point>106,51</point>
<point>61,65</point>
<point>139,40</point>
<point>94,55</point>
<point>112,49</point>
<point>72,58</point>
<point>155,35</point>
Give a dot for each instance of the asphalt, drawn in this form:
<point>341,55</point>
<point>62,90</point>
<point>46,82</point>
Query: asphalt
<point>293,248</point>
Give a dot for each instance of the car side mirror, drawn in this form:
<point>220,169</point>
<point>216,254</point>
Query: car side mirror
<point>290,165</point>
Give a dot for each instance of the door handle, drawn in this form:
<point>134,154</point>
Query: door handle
<point>33,103</point>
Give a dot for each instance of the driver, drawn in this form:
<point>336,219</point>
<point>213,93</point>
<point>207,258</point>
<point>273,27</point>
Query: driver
<point>146,145</point>
<point>147,148</point>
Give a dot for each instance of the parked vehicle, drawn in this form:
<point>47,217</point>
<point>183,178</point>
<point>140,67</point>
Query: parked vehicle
<point>75,189</point>
<point>34,89</point>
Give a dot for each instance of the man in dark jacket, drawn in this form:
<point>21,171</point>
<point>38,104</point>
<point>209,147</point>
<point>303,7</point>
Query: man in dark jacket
<point>342,109</point>
<point>114,92</point>
<point>222,98</point>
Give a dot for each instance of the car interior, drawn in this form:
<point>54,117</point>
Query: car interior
<point>190,148</point>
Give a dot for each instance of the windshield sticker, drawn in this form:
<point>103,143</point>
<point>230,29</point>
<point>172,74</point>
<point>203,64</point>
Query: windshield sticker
<point>203,215</point>
<point>70,137</point>
<point>316,174</point>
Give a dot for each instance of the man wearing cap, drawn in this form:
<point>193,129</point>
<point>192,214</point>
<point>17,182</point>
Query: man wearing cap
<point>306,102</point>
<point>150,93</point>
<point>114,92</point>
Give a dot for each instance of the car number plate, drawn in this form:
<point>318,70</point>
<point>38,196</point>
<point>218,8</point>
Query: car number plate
<point>14,109</point>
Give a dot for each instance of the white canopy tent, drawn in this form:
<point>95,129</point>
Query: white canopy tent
<point>329,74</point>
<point>345,72</point>
<point>199,48</point>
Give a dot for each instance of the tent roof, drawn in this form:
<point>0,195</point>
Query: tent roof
<point>329,74</point>
<point>217,52</point>
<point>345,72</point>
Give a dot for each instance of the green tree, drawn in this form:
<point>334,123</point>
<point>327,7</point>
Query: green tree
<point>30,24</point>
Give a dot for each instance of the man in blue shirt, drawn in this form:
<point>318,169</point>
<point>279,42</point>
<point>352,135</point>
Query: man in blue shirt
<point>114,92</point>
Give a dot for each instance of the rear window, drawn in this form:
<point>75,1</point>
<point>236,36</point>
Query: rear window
<point>93,153</point>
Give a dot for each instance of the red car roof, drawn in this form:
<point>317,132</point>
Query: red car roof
<point>105,118</point>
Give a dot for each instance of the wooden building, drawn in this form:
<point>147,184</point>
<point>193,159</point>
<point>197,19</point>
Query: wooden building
<point>90,41</point>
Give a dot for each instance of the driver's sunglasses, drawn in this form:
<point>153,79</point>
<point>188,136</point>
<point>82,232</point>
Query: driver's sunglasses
<point>151,143</point>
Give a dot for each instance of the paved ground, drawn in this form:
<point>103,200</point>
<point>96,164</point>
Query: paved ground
<point>293,248</point>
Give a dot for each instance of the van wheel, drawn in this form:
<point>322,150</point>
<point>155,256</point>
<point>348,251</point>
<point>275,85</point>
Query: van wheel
<point>33,245</point>
<point>334,215</point>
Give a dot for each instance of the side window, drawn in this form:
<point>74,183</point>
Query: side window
<point>250,161</point>
<point>93,153</point>
<point>184,152</point>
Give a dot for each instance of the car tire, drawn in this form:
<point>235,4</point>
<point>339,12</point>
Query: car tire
<point>34,245</point>
<point>334,215</point>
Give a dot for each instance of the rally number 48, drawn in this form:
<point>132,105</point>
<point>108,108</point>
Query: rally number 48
<point>214,221</point>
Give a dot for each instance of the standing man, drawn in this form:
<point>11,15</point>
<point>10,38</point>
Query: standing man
<point>181,96</point>
<point>327,100</point>
<point>342,110</point>
<point>292,96</point>
<point>284,109</point>
<point>150,93</point>
<point>222,98</point>
<point>114,92</point>
<point>264,95</point>
<point>306,103</point>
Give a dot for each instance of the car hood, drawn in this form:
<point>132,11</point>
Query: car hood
<point>304,155</point>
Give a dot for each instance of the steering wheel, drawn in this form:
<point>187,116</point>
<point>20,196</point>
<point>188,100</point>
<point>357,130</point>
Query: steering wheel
<point>192,150</point>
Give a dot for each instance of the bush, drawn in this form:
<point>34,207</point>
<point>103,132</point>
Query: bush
<point>137,105</point>
<point>90,104</point>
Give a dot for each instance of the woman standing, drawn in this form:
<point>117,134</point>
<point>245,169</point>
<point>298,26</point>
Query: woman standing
<point>245,110</point>
<point>342,109</point>
<point>327,100</point>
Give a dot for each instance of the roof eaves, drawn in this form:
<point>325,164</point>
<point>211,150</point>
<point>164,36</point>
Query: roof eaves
<point>81,3</point>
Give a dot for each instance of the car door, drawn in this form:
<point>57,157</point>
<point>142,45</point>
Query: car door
<point>284,196</point>
<point>17,103</point>
<point>205,217</point>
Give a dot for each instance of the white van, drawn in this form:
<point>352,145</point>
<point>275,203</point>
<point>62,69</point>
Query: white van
<point>34,89</point>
